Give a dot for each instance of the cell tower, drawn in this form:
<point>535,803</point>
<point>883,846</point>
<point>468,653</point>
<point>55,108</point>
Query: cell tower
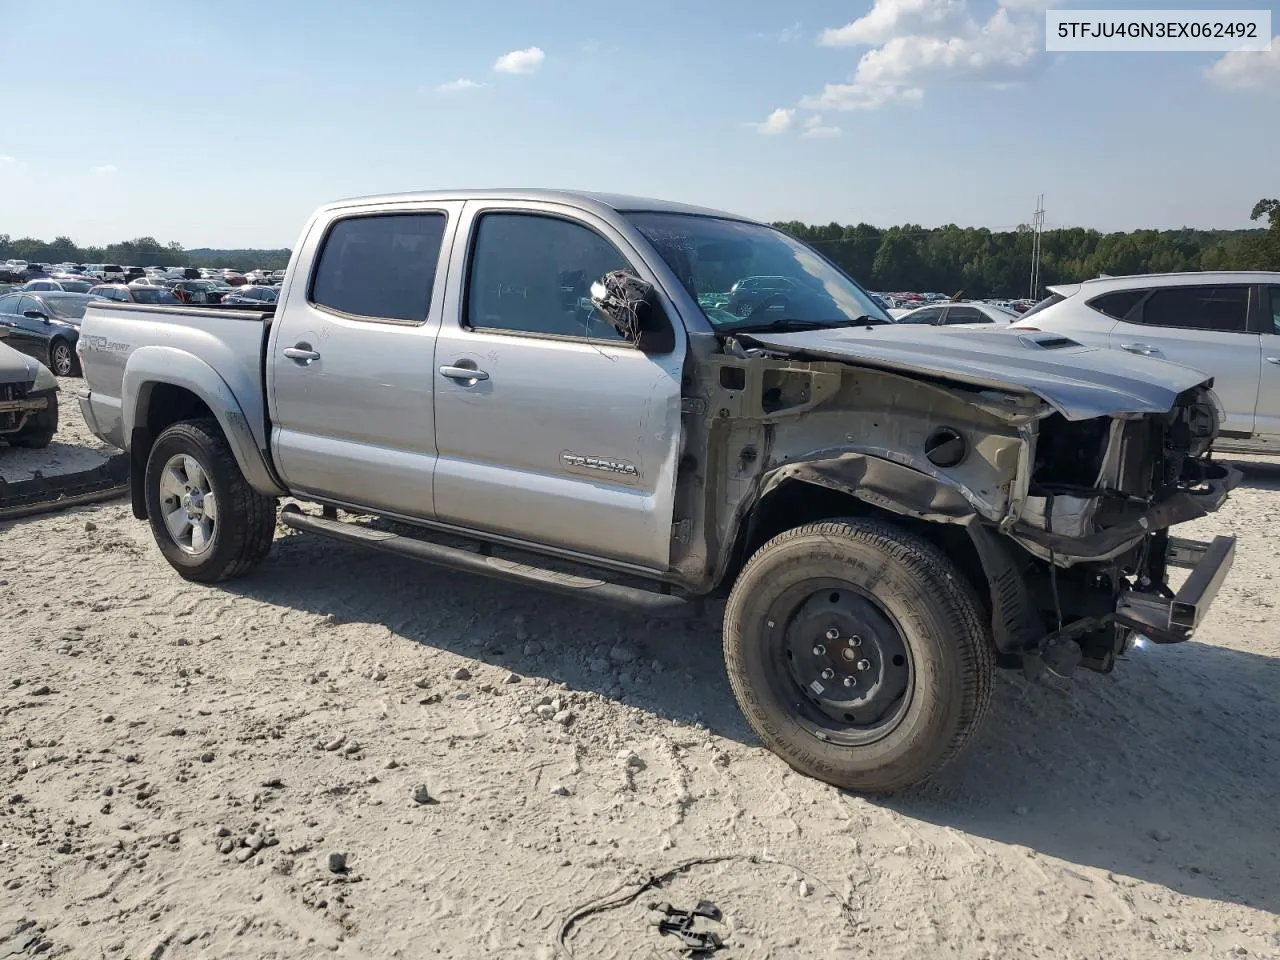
<point>1037,227</point>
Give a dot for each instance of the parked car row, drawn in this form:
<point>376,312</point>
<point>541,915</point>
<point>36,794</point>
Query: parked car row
<point>22,271</point>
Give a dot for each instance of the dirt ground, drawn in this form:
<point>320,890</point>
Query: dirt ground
<point>182,766</point>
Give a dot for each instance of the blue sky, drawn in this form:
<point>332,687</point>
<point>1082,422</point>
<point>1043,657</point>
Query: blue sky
<point>225,125</point>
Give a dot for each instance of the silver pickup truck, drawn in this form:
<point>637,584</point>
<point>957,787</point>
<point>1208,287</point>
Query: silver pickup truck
<point>683,404</point>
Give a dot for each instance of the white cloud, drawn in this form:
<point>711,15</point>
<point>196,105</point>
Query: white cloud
<point>889,18</point>
<point>815,129</point>
<point>527,60</point>
<point>106,168</point>
<point>5,158</point>
<point>459,85</point>
<point>919,43</point>
<point>779,121</point>
<point>1247,70</point>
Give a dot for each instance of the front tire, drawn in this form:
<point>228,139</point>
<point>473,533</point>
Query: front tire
<point>857,652</point>
<point>209,523</point>
<point>62,359</point>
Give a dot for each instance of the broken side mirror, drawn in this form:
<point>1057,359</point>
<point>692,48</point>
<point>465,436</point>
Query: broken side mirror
<point>632,308</point>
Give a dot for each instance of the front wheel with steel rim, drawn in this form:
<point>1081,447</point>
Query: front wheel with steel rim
<point>207,520</point>
<point>62,359</point>
<point>857,651</point>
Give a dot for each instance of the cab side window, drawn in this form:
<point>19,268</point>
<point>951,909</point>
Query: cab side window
<point>532,274</point>
<point>380,267</point>
<point>1275,309</point>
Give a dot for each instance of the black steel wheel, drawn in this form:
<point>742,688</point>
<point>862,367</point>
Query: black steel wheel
<point>858,653</point>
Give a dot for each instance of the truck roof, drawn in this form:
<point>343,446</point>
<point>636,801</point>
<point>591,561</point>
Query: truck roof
<point>583,199</point>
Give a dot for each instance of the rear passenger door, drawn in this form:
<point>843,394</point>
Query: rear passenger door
<point>1205,328</point>
<point>350,370</point>
<point>551,428</point>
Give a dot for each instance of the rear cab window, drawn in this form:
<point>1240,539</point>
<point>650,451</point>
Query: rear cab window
<point>1275,310</point>
<point>380,266</point>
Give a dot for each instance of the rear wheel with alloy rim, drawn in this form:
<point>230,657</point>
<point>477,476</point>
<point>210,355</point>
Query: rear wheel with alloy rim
<point>857,651</point>
<point>62,359</point>
<point>207,520</point>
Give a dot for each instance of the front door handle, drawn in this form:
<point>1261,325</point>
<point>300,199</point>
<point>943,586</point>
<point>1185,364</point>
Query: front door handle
<point>470,374</point>
<point>301,352</point>
<point>1275,360</point>
<point>1145,349</point>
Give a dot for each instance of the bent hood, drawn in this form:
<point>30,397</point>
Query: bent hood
<point>15,367</point>
<point>1079,382</point>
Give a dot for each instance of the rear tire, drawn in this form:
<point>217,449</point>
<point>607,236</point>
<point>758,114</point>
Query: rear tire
<point>62,359</point>
<point>906,666</point>
<point>191,469</point>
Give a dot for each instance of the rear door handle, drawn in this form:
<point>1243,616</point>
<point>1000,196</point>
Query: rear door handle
<point>1273,360</point>
<point>463,373</point>
<point>1143,348</point>
<point>301,352</point>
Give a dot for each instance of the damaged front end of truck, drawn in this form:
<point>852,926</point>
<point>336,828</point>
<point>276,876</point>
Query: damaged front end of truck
<point>1051,473</point>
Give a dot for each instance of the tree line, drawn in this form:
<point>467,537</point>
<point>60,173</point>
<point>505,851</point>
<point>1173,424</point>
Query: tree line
<point>972,261</point>
<point>980,263</point>
<point>140,252</point>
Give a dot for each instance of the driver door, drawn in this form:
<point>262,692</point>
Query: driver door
<point>550,428</point>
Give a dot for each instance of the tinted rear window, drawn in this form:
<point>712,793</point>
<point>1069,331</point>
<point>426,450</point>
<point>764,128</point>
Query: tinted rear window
<point>1117,304</point>
<point>1048,301</point>
<point>967,315</point>
<point>381,266</point>
<point>1224,309</point>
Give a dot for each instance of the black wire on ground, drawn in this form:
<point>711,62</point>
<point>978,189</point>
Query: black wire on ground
<point>617,898</point>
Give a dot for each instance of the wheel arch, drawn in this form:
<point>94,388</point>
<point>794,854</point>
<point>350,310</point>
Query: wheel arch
<point>800,493</point>
<point>169,386</point>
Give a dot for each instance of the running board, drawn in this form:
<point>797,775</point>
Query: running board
<point>651,602</point>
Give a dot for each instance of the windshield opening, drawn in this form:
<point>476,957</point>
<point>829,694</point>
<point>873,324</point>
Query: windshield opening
<point>749,276</point>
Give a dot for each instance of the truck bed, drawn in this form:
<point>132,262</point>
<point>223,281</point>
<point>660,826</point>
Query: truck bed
<point>229,341</point>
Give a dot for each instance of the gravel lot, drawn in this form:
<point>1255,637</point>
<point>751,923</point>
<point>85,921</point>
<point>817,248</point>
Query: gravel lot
<point>181,765</point>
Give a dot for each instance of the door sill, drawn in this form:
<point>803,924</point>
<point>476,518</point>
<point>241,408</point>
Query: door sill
<point>653,602</point>
<point>515,543</point>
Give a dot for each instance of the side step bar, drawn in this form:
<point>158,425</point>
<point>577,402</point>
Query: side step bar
<point>651,602</point>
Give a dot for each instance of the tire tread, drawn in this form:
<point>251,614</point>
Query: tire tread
<point>926,562</point>
<point>253,534</point>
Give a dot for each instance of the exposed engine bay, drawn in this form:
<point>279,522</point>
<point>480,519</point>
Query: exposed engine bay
<point>1068,515</point>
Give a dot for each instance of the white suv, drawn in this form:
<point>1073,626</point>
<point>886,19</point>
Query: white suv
<point>1225,324</point>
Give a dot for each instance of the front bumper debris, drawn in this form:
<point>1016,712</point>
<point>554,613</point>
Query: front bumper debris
<point>16,406</point>
<point>1174,619</point>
